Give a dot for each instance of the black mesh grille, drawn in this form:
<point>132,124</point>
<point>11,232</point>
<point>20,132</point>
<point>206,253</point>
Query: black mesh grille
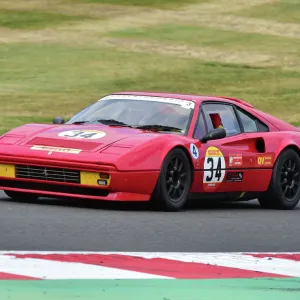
<point>48,174</point>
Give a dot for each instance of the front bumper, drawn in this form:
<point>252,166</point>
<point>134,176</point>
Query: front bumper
<point>120,185</point>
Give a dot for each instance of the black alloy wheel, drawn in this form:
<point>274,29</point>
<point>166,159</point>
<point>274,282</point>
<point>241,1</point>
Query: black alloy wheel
<point>284,189</point>
<point>175,179</point>
<point>290,179</point>
<point>174,182</point>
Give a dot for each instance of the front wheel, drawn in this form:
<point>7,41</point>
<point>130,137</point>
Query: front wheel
<point>21,196</point>
<point>284,190</point>
<point>174,182</point>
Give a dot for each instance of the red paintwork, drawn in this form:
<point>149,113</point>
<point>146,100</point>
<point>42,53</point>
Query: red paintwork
<point>8,276</point>
<point>293,257</point>
<point>134,157</point>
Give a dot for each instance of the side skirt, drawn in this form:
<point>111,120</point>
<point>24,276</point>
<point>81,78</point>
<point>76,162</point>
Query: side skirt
<point>234,196</point>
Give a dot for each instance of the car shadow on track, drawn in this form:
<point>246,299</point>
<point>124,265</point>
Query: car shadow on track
<point>135,206</point>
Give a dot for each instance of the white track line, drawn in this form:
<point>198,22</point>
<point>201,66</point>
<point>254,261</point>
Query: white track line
<point>46,269</point>
<point>137,253</point>
<point>66,270</point>
<point>233,260</point>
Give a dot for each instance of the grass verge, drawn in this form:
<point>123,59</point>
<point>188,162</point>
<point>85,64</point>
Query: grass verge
<point>56,62</point>
<point>62,80</point>
<point>145,3</point>
<point>287,11</point>
<point>17,19</point>
<point>212,37</point>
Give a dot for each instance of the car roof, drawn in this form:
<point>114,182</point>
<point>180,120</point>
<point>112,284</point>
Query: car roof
<point>273,121</point>
<point>196,98</point>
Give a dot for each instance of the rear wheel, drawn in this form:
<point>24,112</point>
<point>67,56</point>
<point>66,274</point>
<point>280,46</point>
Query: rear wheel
<point>174,182</point>
<point>284,190</point>
<point>21,196</point>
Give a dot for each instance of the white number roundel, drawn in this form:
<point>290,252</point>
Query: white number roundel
<point>83,134</point>
<point>214,166</point>
<point>194,151</point>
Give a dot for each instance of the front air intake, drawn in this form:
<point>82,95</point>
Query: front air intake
<point>47,174</point>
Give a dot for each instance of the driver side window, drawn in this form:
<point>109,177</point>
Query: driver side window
<point>221,115</point>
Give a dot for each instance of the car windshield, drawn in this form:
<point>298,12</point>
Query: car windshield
<point>162,114</point>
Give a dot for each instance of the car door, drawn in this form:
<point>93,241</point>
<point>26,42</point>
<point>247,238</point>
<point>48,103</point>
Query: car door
<point>262,157</point>
<point>228,164</point>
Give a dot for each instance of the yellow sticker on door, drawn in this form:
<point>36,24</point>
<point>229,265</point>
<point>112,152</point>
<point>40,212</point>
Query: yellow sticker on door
<point>214,169</point>
<point>266,160</point>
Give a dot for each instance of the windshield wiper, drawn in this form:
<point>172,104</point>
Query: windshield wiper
<point>111,122</point>
<point>79,122</point>
<point>158,127</point>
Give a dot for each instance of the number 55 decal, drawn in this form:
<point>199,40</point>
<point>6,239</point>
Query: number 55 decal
<point>214,168</point>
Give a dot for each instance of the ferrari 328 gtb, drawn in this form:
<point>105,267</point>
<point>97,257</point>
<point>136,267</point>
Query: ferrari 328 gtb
<point>158,147</point>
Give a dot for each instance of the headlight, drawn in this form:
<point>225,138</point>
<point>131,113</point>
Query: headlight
<point>11,139</point>
<point>117,149</point>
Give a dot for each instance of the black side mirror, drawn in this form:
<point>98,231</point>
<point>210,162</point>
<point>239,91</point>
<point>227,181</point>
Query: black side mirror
<point>215,134</point>
<point>58,120</point>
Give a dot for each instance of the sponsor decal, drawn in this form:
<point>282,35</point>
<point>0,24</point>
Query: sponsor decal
<point>194,151</point>
<point>212,151</point>
<point>56,149</point>
<point>266,160</point>
<point>183,103</point>
<point>83,134</point>
<point>235,160</point>
<point>234,176</point>
<point>214,168</point>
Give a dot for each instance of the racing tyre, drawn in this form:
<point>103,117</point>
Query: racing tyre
<point>21,196</point>
<point>174,182</point>
<point>284,189</point>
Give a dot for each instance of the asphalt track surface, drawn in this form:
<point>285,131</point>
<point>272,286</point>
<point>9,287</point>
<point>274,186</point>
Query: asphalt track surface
<point>72,225</point>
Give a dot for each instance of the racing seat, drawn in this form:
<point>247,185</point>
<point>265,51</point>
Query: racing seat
<point>216,120</point>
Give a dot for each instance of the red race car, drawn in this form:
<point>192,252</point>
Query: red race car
<point>157,147</point>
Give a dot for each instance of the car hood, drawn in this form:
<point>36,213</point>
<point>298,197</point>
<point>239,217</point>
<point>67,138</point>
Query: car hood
<point>85,145</point>
<point>82,137</point>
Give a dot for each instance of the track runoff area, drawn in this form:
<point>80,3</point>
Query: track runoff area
<point>149,276</point>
